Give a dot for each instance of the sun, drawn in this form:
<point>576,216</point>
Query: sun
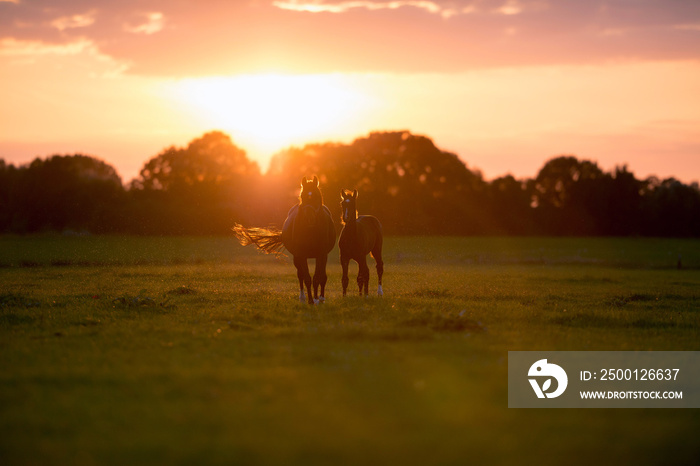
<point>266,113</point>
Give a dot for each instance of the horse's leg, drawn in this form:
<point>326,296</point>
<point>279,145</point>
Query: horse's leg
<point>363,275</point>
<point>344,262</point>
<point>304,278</point>
<point>320,279</point>
<point>300,275</point>
<point>377,254</point>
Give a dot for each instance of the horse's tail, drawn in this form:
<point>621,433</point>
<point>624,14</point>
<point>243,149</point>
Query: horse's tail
<point>268,240</point>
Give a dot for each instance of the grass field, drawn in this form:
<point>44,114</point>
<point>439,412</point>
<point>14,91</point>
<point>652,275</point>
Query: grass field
<point>121,350</point>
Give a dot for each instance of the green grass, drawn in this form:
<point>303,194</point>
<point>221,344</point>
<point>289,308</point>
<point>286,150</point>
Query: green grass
<point>119,350</point>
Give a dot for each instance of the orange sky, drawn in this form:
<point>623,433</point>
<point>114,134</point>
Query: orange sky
<point>505,84</point>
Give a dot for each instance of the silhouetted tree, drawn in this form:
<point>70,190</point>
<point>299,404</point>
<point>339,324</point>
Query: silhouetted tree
<point>67,192</point>
<point>566,195</point>
<point>202,188</point>
<point>620,212</point>
<point>510,204</point>
<point>671,208</point>
<point>8,188</point>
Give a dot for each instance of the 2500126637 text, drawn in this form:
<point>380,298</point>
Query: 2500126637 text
<point>631,374</point>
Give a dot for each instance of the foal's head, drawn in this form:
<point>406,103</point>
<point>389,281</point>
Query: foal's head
<point>310,195</point>
<point>348,205</point>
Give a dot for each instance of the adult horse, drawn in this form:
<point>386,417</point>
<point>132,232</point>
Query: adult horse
<point>360,236</point>
<point>308,232</point>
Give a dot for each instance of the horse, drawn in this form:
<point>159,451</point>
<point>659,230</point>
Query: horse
<point>360,236</point>
<point>308,232</point>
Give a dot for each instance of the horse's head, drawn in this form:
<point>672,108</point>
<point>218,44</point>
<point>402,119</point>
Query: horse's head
<point>311,201</point>
<point>310,195</point>
<point>348,205</point>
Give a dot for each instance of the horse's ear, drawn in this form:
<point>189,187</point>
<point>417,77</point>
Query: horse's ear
<point>303,181</point>
<point>316,181</point>
<point>342,193</point>
<point>354,194</point>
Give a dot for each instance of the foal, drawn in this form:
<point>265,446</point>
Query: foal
<point>360,235</point>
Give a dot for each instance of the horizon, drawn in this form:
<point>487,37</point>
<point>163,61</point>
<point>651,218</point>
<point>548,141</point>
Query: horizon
<point>504,84</point>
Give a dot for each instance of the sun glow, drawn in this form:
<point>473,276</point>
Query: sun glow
<point>266,113</point>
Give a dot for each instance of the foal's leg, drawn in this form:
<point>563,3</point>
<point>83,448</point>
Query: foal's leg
<point>320,279</point>
<point>344,262</point>
<point>304,278</point>
<point>363,275</point>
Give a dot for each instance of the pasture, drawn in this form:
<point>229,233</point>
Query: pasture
<point>125,350</point>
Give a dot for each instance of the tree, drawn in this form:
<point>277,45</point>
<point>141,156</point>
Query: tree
<point>567,196</point>
<point>510,204</point>
<point>8,182</point>
<point>76,192</point>
<point>671,208</point>
<point>621,211</point>
<point>202,188</point>
<point>211,160</point>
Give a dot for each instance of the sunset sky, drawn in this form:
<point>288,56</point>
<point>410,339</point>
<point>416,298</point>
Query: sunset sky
<point>505,84</point>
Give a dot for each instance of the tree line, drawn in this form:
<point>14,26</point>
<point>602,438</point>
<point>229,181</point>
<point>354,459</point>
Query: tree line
<point>403,179</point>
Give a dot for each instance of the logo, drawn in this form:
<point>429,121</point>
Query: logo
<point>546,371</point>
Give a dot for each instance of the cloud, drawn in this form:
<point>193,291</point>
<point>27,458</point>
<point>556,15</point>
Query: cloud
<point>511,7</point>
<point>447,9</point>
<point>189,38</point>
<point>33,48</point>
<point>688,27</point>
<point>344,6</point>
<point>74,21</point>
<point>27,52</point>
<point>155,22</point>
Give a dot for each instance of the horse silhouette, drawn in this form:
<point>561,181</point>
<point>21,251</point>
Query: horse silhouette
<point>308,232</point>
<point>360,236</point>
